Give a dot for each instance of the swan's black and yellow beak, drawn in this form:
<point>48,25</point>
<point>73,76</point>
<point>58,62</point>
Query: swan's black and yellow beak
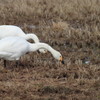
<point>61,59</point>
<point>45,51</point>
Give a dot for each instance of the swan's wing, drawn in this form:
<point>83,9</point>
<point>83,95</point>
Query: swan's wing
<point>5,55</point>
<point>10,30</point>
<point>12,48</point>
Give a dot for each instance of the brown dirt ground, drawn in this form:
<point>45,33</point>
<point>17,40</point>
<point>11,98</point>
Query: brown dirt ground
<point>71,27</point>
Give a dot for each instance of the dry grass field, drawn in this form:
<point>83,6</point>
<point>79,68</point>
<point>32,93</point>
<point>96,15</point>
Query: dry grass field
<point>69,26</point>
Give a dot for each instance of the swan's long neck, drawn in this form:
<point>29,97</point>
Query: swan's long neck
<point>36,46</point>
<point>32,36</point>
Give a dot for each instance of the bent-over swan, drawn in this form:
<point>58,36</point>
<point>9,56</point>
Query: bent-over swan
<point>12,48</point>
<point>11,30</point>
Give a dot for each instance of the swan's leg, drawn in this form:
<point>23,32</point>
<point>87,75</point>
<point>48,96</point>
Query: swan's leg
<point>5,63</point>
<point>17,63</point>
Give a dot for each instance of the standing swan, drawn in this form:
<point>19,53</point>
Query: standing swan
<point>11,30</point>
<point>12,48</point>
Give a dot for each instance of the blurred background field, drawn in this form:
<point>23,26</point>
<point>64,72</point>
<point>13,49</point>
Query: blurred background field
<point>69,26</point>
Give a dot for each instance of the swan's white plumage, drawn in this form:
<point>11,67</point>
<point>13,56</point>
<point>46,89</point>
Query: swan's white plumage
<point>12,48</point>
<point>11,30</point>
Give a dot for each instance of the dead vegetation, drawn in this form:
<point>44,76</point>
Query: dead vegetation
<point>71,27</point>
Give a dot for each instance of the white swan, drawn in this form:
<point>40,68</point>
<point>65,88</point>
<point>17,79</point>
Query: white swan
<point>11,30</point>
<point>12,48</point>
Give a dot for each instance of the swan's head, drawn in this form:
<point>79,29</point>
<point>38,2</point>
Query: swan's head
<point>43,50</point>
<point>58,56</point>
